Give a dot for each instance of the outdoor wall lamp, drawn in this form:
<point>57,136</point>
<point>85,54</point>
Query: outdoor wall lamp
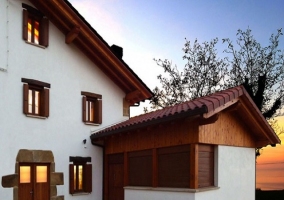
<point>85,143</point>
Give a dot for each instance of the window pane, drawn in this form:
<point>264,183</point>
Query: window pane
<point>30,101</point>
<point>80,177</point>
<point>91,111</point>
<point>36,102</point>
<point>25,174</point>
<point>41,174</point>
<point>87,110</point>
<point>75,179</point>
<point>29,30</point>
<point>36,32</point>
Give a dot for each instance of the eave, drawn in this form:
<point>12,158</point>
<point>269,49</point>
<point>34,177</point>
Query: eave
<point>206,109</point>
<point>77,31</point>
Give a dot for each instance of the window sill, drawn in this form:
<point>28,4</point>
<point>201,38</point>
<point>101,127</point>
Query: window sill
<point>80,193</point>
<point>36,116</point>
<point>188,190</point>
<point>37,45</point>
<point>92,124</point>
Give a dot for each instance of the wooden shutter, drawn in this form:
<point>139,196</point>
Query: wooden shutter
<point>87,177</point>
<point>98,111</point>
<point>84,99</point>
<point>205,166</point>
<point>25,98</point>
<point>45,103</point>
<point>174,167</point>
<point>140,168</point>
<point>43,37</point>
<point>71,178</point>
<point>25,24</point>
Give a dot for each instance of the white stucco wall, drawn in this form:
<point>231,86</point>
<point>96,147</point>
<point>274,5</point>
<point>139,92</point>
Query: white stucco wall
<point>69,72</point>
<point>234,177</point>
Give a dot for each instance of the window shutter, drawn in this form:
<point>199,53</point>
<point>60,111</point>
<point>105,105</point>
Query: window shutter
<point>88,178</point>
<point>84,99</point>
<point>44,32</point>
<point>45,103</point>
<point>25,98</point>
<point>98,111</point>
<point>25,24</point>
<point>71,178</point>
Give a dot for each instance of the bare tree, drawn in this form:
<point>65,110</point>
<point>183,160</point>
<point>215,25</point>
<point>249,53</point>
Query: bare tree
<point>259,69</point>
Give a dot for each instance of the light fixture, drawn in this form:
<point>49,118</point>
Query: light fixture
<point>85,143</point>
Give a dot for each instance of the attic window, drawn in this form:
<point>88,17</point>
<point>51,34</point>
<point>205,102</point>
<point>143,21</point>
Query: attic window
<point>35,26</point>
<point>91,108</point>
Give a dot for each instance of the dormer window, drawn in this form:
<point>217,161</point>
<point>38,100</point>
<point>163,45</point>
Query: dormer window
<point>35,26</point>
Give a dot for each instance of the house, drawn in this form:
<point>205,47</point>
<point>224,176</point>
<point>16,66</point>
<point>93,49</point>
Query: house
<point>201,149</point>
<point>65,127</point>
<point>59,81</point>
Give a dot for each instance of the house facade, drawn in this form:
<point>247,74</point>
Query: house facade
<point>59,81</point>
<point>201,149</point>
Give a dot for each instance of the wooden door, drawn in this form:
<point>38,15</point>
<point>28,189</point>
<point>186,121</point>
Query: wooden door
<point>116,191</point>
<point>34,181</point>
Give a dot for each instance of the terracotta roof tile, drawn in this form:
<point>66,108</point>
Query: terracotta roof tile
<point>197,106</point>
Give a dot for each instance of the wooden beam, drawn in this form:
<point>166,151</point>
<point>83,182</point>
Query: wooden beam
<point>130,97</point>
<point>154,168</point>
<point>220,108</point>
<point>193,183</point>
<point>210,120</point>
<point>262,143</point>
<point>125,165</point>
<point>73,33</point>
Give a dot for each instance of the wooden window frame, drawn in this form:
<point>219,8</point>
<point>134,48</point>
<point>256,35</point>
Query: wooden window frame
<point>43,102</point>
<point>91,117</point>
<point>35,16</point>
<point>200,171</point>
<point>87,175</point>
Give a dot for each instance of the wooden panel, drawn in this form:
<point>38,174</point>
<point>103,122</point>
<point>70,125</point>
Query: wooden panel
<point>205,166</point>
<point>227,130</point>
<point>165,135</point>
<point>174,167</point>
<point>140,168</point>
<point>115,182</point>
<point>194,166</point>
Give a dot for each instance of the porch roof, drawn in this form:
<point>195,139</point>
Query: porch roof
<point>204,107</point>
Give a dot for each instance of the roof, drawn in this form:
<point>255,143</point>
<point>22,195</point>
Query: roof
<point>205,107</point>
<point>79,32</point>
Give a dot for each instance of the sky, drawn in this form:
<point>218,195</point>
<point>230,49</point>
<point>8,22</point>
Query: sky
<point>148,29</point>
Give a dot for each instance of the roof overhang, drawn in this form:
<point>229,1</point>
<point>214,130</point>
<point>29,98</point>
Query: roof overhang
<point>206,111</point>
<point>79,32</point>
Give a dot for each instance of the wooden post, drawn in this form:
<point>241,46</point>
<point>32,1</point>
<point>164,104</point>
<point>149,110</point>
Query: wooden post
<point>193,166</point>
<point>154,168</point>
<point>126,182</point>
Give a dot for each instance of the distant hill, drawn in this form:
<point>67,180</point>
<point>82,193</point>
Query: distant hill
<point>269,195</point>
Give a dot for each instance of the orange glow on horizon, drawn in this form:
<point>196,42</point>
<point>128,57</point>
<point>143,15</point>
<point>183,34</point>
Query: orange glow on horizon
<point>270,165</point>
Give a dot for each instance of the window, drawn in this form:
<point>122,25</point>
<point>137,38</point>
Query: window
<point>174,166</point>
<point>184,166</point>
<point>35,26</point>
<point>35,97</point>
<point>92,108</point>
<point>80,174</point>
<point>140,168</point>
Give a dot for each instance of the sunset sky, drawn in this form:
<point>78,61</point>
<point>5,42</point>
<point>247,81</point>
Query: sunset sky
<point>148,29</point>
